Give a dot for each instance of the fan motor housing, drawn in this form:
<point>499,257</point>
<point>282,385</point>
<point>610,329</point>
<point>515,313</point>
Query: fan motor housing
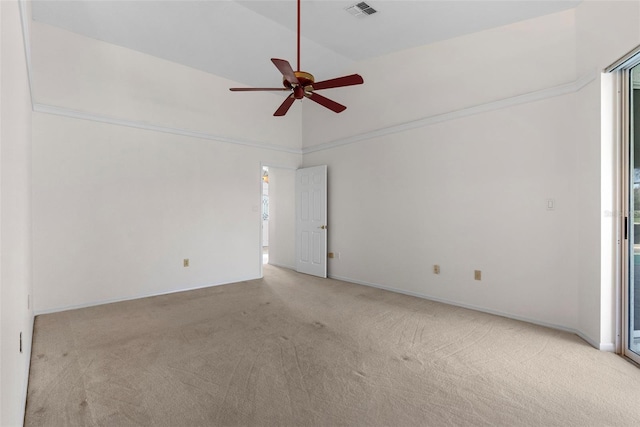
<point>305,79</point>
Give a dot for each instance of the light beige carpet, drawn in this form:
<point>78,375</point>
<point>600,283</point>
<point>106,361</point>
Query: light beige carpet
<point>292,350</point>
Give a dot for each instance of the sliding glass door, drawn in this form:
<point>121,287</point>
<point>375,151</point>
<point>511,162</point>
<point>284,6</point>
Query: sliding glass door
<point>632,288</point>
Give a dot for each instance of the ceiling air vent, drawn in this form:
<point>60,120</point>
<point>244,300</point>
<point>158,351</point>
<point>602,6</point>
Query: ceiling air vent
<point>361,9</point>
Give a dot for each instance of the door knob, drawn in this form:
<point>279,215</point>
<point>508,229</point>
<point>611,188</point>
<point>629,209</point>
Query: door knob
<point>324,227</point>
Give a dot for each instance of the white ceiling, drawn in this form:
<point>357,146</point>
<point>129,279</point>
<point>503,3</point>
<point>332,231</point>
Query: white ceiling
<point>235,39</point>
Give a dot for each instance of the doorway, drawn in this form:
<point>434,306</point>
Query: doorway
<point>277,216</point>
<point>265,215</point>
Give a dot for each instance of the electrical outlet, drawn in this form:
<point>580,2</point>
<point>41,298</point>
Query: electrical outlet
<point>477,274</point>
<point>330,255</point>
<point>338,255</point>
<point>436,269</point>
<point>185,262</point>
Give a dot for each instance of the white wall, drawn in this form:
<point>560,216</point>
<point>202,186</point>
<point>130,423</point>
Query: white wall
<point>468,193</point>
<point>90,76</point>
<point>117,208</point>
<point>282,215</point>
<point>15,232</point>
<point>455,169</point>
<point>449,76</point>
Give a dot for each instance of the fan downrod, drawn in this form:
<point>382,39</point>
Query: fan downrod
<point>303,85</point>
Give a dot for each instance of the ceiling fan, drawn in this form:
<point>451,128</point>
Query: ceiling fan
<point>302,84</point>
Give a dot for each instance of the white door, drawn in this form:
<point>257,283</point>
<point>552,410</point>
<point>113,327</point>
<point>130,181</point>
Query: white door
<point>311,220</point>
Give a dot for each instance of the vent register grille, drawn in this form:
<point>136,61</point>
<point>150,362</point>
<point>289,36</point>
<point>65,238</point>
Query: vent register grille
<point>361,10</point>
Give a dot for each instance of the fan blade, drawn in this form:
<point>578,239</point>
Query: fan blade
<point>286,70</point>
<point>254,89</point>
<point>353,79</point>
<point>326,102</point>
<point>282,110</point>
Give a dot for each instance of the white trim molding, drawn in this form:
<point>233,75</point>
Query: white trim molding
<point>539,95</point>
<point>278,166</point>
<point>74,114</point>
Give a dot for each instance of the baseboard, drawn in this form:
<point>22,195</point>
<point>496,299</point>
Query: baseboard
<point>609,347</point>
<point>595,343</point>
<point>275,264</point>
<point>604,346</point>
<point>600,346</point>
<point>113,300</point>
<point>25,383</point>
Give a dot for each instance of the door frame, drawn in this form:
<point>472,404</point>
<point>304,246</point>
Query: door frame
<point>622,138</point>
<point>620,121</point>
